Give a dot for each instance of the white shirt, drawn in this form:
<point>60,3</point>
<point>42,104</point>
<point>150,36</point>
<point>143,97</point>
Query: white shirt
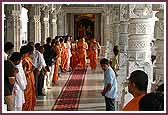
<point>37,61</point>
<point>69,49</point>
<point>42,59</point>
<point>110,77</point>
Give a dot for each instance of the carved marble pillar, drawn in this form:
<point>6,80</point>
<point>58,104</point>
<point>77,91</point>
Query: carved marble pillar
<point>53,24</point>
<point>96,26</point>
<point>159,36</point>
<point>116,24</point>
<point>102,29</point>
<point>13,24</point>
<point>66,25</point>
<point>107,30</point>
<point>123,45</point>
<point>61,23</point>
<point>34,25</point>
<point>72,26</point>
<point>44,23</point>
<point>140,33</point>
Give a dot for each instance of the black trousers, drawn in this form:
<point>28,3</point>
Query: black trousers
<point>40,82</point>
<point>109,104</point>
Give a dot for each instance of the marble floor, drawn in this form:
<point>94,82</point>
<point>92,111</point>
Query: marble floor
<point>91,99</point>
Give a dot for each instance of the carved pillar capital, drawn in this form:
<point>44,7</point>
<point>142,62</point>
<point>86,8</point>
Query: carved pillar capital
<point>124,12</point>
<point>140,11</point>
<point>12,10</point>
<point>116,14</point>
<point>53,23</point>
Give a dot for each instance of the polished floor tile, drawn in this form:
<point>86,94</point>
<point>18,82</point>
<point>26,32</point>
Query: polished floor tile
<point>90,100</point>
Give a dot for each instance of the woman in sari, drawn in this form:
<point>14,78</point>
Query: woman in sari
<point>57,61</point>
<point>64,56</point>
<point>29,92</point>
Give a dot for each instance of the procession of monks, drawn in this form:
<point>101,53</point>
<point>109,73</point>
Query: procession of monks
<point>71,55</point>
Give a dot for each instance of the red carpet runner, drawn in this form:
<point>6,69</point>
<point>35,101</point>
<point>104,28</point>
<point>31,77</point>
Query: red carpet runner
<point>69,98</point>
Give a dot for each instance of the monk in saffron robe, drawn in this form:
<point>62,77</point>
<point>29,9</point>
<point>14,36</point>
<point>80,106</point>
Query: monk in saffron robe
<point>29,92</point>
<point>64,56</point>
<point>93,53</point>
<point>137,86</point>
<point>82,47</point>
<point>74,58</point>
<point>57,61</point>
<point>133,105</point>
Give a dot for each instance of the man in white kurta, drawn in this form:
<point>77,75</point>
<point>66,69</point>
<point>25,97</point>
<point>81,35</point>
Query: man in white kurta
<point>19,87</point>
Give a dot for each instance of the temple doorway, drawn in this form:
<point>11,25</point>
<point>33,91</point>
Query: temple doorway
<point>84,26</point>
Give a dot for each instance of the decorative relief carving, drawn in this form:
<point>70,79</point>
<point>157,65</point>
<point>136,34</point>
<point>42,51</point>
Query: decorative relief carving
<point>161,6</point>
<point>158,7</point>
<point>61,13</point>
<point>148,69</point>
<point>116,15</point>
<point>123,59</point>
<point>123,41</point>
<point>161,26</point>
<point>137,56</point>
<point>107,11</point>
<point>140,11</point>
<point>124,12</point>
<point>84,9</point>
<point>140,28</point>
<point>132,66</point>
<point>159,58</point>
<point>138,45</point>
<point>140,65</point>
<point>159,29</point>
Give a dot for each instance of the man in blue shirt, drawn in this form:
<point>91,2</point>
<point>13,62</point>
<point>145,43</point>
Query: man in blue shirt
<point>110,85</point>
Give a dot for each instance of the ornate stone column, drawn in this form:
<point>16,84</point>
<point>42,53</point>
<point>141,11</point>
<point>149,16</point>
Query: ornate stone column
<point>159,36</point>
<point>53,24</point>
<point>34,25</point>
<point>44,23</point>
<point>107,30</point>
<point>13,24</point>
<point>123,45</point>
<point>116,24</point>
<point>71,26</point>
<point>140,34</point>
<point>61,23</point>
<point>102,29</point>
